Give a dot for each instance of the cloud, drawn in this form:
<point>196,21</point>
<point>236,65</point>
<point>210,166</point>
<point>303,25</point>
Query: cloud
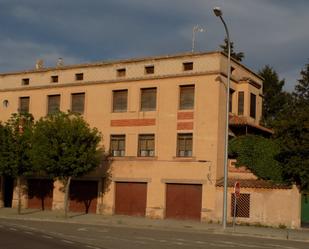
<point>268,32</point>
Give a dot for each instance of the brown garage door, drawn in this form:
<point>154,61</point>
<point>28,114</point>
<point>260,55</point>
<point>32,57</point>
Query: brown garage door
<point>83,196</point>
<point>40,193</point>
<point>183,201</point>
<point>130,198</point>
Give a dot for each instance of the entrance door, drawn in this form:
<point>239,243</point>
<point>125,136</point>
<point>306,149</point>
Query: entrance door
<point>305,210</point>
<point>8,184</point>
<point>183,201</point>
<point>40,193</point>
<point>83,196</point>
<point>130,198</point>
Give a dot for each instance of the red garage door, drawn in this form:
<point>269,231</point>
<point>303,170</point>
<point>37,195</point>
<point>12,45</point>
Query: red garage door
<point>40,193</point>
<point>130,198</point>
<point>83,196</point>
<point>183,201</point>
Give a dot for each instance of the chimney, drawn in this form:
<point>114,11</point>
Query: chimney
<point>60,62</point>
<point>39,64</point>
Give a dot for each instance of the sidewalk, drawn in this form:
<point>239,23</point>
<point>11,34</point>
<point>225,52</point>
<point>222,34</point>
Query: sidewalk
<point>141,222</point>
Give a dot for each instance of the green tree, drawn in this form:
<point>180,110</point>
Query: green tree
<point>258,154</point>
<point>66,146</point>
<point>274,97</point>
<point>292,132</point>
<point>237,56</point>
<point>15,147</point>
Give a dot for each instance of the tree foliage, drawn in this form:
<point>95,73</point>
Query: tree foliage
<point>66,146</point>
<point>15,145</point>
<point>258,154</point>
<point>274,97</point>
<point>292,132</point>
<point>237,56</point>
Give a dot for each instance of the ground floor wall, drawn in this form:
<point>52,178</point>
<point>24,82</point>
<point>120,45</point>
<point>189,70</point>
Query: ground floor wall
<point>269,207</point>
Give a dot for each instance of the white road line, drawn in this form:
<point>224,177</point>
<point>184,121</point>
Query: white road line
<point>200,242</point>
<point>93,247</point>
<point>13,229</point>
<point>67,241</point>
<point>47,237</point>
<point>30,233</point>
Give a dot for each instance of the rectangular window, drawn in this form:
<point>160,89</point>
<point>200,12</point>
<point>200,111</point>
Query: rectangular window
<point>187,66</point>
<point>252,105</point>
<point>241,101</point>
<point>79,76</point>
<point>53,104</point>
<point>146,145</point>
<point>25,81</point>
<point>54,78</point>
<point>186,100</point>
<point>78,102</point>
<point>242,205</point>
<point>120,99</point>
<point>148,99</point>
<point>121,72</point>
<point>24,104</point>
<point>231,100</point>
<point>118,145</point>
<point>149,69</point>
<point>184,145</point>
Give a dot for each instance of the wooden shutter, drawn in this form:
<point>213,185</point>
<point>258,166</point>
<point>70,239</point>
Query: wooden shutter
<point>148,99</point>
<point>53,103</point>
<point>252,105</point>
<point>186,97</point>
<point>78,102</point>
<point>241,100</point>
<point>24,104</point>
<point>120,100</point>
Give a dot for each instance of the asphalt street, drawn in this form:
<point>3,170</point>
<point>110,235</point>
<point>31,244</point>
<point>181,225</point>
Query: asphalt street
<point>24,234</point>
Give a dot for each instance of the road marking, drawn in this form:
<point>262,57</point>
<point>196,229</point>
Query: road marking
<point>82,229</point>
<point>28,232</point>
<point>93,247</point>
<point>13,229</point>
<point>47,237</point>
<point>200,242</point>
<point>67,241</point>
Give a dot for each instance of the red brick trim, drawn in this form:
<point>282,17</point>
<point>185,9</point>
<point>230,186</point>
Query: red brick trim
<point>133,122</point>
<point>185,115</point>
<point>185,126</point>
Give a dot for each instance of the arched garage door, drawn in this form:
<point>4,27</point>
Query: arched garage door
<point>183,201</point>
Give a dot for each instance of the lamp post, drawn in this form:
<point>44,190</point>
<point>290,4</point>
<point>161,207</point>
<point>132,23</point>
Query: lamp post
<point>195,29</point>
<point>218,13</point>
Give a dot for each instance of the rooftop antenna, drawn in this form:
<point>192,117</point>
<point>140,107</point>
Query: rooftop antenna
<point>196,28</point>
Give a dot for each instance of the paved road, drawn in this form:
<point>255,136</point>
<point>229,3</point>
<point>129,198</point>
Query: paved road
<point>68,235</point>
<point>19,238</point>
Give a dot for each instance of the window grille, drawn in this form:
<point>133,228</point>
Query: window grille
<point>53,103</point>
<point>117,145</point>
<point>242,205</point>
<point>24,104</point>
<point>184,145</point>
<point>241,100</point>
<point>146,145</point>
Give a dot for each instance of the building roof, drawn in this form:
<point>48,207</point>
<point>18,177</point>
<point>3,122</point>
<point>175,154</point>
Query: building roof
<point>243,121</point>
<point>132,60</point>
<point>252,183</point>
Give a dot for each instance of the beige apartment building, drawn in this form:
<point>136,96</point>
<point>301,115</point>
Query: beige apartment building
<point>163,121</point>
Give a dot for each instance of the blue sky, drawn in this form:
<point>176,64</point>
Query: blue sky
<point>273,32</point>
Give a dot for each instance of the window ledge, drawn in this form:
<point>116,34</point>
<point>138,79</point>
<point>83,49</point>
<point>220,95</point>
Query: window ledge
<point>184,159</point>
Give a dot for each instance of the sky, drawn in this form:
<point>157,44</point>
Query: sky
<point>269,32</point>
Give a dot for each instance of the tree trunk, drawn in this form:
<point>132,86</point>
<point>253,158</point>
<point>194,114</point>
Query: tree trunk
<point>18,194</point>
<point>66,197</point>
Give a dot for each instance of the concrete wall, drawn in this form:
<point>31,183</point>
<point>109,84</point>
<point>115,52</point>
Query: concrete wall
<point>269,207</point>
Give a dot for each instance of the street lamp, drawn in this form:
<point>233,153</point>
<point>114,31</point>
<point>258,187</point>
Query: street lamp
<point>195,29</point>
<point>218,13</point>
